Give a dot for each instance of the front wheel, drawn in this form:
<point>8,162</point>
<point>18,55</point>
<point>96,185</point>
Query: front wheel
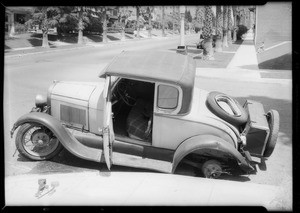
<point>36,142</point>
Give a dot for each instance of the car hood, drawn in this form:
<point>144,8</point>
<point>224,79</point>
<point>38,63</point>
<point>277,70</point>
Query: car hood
<point>81,91</point>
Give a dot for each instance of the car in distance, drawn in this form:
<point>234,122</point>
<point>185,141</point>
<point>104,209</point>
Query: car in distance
<point>146,112</point>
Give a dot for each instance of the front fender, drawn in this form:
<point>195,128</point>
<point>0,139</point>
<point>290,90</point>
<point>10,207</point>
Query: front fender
<point>63,135</point>
<point>208,142</point>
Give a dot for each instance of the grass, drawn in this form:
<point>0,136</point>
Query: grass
<point>221,59</point>
<point>35,39</point>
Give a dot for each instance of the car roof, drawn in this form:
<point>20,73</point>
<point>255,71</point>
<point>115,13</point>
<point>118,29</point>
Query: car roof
<point>154,65</point>
<point>162,66</point>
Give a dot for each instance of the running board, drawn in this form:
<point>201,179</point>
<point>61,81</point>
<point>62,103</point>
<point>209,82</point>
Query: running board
<point>140,162</point>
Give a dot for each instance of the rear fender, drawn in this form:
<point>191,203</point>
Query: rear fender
<point>200,142</point>
<point>62,134</point>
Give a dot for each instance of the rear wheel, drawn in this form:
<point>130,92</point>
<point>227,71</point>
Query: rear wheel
<point>212,169</point>
<point>36,142</point>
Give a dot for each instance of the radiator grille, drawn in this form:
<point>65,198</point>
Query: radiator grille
<point>72,115</point>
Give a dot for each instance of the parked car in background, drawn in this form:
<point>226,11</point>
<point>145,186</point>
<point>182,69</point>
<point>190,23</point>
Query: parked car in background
<point>145,111</point>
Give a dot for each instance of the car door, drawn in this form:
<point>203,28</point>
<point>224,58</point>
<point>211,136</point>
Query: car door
<point>107,131</point>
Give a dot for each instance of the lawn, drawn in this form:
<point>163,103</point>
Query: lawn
<point>222,59</point>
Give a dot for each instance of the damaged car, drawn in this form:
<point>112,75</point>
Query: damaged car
<point>145,111</point>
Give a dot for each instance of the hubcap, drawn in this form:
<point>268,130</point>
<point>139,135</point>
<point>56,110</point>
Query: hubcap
<point>38,142</point>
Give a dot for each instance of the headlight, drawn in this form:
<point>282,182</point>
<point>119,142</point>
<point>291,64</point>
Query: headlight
<point>40,101</point>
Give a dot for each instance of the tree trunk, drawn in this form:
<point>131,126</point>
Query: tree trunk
<point>234,11</point>
<point>219,31</point>
<point>45,40</point>
<point>163,22</point>
<point>208,50</point>
<point>137,22</point>
<point>229,37</point>
<point>225,26</point>
<point>123,34</point>
<point>80,29</point>
<point>104,26</point>
<point>234,36</point>
<point>225,39</point>
<point>218,44</point>
<point>80,37</point>
<point>150,28</point>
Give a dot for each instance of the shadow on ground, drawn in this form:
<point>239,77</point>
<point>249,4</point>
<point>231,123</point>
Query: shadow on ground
<point>283,62</point>
<point>284,109</point>
<point>6,47</point>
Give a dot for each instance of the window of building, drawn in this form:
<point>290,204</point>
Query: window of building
<point>20,18</point>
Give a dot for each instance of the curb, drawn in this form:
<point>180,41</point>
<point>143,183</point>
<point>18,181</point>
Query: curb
<point>238,75</point>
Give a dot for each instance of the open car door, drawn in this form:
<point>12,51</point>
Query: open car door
<point>108,131</point>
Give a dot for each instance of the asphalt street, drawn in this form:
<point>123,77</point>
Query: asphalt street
<point>29,75</point>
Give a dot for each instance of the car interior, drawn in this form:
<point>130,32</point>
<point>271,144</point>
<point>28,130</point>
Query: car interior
<point>132,106</point>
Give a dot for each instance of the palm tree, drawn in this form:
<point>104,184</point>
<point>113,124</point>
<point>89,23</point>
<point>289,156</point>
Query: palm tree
<point>46,18</point>
<point>230,25</point>
<point>219,29</point>
<point>225,26</point>
<point>234,11</point>
<point>207,34</point>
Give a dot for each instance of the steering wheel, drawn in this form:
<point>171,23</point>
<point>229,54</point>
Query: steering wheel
<point>122,90</point>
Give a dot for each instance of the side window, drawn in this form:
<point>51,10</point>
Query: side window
<point>167,97</point>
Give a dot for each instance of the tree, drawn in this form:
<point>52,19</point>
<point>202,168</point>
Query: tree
<point>200,16</point>
<point>146,13</point>
<point>207,34</point>
<point>219,29</point>
<point>45,18</point>
<point>124,14</point>
<point>225,26</point>
<point>80,14</point>
<point>149,10</point>
<point>188,19</point>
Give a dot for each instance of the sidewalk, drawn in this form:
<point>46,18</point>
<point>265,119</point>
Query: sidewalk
<point>244,67</point>
<point>141,188</point>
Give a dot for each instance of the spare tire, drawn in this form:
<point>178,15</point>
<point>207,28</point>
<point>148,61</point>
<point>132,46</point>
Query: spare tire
<point>273,120</point>
<point>235,114</point>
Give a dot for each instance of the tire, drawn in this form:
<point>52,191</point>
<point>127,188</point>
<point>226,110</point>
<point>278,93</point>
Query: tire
<point>38,131</point>
<point>237,119</point>
<point>273,120</point>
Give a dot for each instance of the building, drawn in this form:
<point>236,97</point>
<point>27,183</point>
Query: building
<point>273,23</point>
<point>16,15</point>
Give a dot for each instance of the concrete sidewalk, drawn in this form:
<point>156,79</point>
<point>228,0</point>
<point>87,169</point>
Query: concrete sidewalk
<point>138,188</point>
<point>244,67</point>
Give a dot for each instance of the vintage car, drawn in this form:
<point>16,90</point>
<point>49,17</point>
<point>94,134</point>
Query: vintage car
<point>146,112</point>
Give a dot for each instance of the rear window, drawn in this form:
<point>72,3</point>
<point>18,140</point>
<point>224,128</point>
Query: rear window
<point>167,97</point>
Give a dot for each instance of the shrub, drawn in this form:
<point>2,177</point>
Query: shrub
<point>241,30</point>
<point>20,28</point>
